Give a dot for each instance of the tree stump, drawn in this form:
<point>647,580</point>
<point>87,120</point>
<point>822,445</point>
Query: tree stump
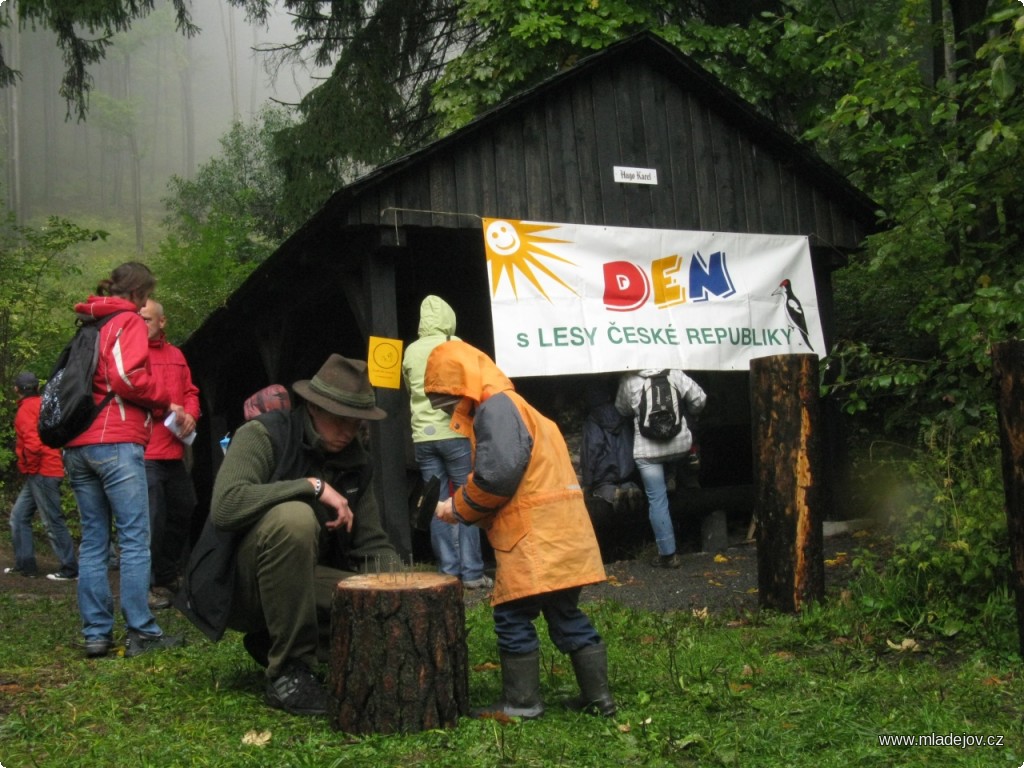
<point>787,471</point>
<point>399,660</point>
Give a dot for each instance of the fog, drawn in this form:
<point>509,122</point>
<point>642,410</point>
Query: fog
<point>151,81</point>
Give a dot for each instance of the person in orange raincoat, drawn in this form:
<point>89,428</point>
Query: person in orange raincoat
<point>523,491</point>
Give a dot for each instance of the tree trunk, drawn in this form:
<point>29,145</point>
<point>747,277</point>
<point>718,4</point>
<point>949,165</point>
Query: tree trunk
<point>188,120</point>
<point>787,473</point>
<point>134,158</point>
<point>399,660</point>
<point>15,199</point>
<point>227,21</point>
<point>1008,364</point>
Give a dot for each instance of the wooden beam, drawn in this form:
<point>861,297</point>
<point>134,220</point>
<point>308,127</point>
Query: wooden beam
<point>388,436</point>
<point>787,478</point>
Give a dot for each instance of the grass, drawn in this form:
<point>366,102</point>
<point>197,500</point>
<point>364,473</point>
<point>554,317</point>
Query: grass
<point>764,690</point>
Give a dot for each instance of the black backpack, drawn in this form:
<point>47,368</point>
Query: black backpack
<point>66,408</point>
<point>660,417</point>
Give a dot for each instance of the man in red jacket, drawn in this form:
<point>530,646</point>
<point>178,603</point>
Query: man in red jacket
<point>42,470</point>
<point>172,497</point>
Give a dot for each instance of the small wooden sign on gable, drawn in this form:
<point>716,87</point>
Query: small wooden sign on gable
<point>627,175</point>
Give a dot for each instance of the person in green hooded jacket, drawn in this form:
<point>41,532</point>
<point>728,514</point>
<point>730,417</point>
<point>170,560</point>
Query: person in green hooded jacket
<point>439,451</point>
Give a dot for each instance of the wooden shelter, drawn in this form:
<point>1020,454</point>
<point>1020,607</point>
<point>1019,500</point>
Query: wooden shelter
<point>361,265</point>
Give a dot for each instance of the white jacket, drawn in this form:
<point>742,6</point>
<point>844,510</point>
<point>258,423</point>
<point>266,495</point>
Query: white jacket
<point>627,402</point>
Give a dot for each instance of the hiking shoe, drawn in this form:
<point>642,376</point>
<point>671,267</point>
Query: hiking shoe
<point>159,598</point>
<point>58,576</point>
<point>484,582</point>
<point>298,692</point>
<point>98,646</point>
<point>19,572</point>
<point>143,642</point>
<point>666,561</point>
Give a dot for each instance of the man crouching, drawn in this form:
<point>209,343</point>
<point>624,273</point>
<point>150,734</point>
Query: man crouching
<point>295,489</point>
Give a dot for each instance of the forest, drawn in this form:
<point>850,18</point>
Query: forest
<point>917,102</point>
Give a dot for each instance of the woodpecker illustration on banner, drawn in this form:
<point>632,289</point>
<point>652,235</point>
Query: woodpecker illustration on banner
<point>794,309</point>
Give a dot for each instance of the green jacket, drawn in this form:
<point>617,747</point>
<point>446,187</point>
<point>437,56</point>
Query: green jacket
<point>437,325</point>
<point>268,461</point>
<point>255,477</point>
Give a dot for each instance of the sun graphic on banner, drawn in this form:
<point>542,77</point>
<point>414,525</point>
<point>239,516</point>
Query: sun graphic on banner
<point>518,245</point>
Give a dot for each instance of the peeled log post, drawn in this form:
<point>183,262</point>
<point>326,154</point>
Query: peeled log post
<point>1008,366</point>
<point>787,472</point>
<point>399,660</point>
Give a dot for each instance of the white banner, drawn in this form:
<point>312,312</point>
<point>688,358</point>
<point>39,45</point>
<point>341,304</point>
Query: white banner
<point>569,298</point>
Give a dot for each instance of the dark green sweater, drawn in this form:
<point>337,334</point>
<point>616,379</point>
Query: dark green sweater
<point>245,487</point>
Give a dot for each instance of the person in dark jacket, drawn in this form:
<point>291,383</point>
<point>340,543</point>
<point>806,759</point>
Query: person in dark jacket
<point>294,489</point>
<point>607,468</point>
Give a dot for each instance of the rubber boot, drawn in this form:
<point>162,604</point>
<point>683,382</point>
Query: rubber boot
<point>591,667</point>
<point>520,680</point>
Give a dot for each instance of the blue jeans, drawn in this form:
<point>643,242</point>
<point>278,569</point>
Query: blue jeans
<point>568,627</point>
<point>653,477</point>
<point>43,494</point>
<point>109,481</point>
<point>456,547</point>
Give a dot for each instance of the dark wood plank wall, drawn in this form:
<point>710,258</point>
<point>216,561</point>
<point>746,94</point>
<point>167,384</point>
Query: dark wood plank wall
<point>536,170</point>
<point>608,123</point>
<point>658,139</point>
<point>552,160</point>
<point>585,148</point>
<point>682,161</point>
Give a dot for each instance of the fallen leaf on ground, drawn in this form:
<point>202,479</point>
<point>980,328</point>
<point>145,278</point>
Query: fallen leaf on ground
<point>256,738</point>
<point>906,644</point>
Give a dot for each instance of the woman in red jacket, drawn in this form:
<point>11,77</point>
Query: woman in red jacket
<point>106,470</point>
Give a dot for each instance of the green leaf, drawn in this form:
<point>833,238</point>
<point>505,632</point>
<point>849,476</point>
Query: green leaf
<point>1002,81</point>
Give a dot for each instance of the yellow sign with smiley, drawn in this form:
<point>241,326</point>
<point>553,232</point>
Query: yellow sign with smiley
<point>384,362</point>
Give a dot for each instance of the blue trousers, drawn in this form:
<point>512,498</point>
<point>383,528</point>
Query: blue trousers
<point>656,487</point>
<point>109,481</point>
<point>42,494</point>
<point>568,627</point>
<point>456,547</point>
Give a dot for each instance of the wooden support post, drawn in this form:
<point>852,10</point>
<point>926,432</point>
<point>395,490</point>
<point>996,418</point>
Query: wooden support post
<point>399,660</point>
<point>787,496</point>
<point>1008,364</point>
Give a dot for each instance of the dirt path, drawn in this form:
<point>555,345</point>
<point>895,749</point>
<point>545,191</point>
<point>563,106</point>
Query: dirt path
<point>721,583</point>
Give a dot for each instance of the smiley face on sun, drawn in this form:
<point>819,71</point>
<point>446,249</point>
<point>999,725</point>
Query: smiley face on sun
<point>518,245</point>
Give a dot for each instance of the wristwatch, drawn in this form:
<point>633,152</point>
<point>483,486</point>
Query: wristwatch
<point>318,488</point>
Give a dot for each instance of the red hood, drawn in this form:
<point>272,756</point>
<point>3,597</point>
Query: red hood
<point>98,307</point>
